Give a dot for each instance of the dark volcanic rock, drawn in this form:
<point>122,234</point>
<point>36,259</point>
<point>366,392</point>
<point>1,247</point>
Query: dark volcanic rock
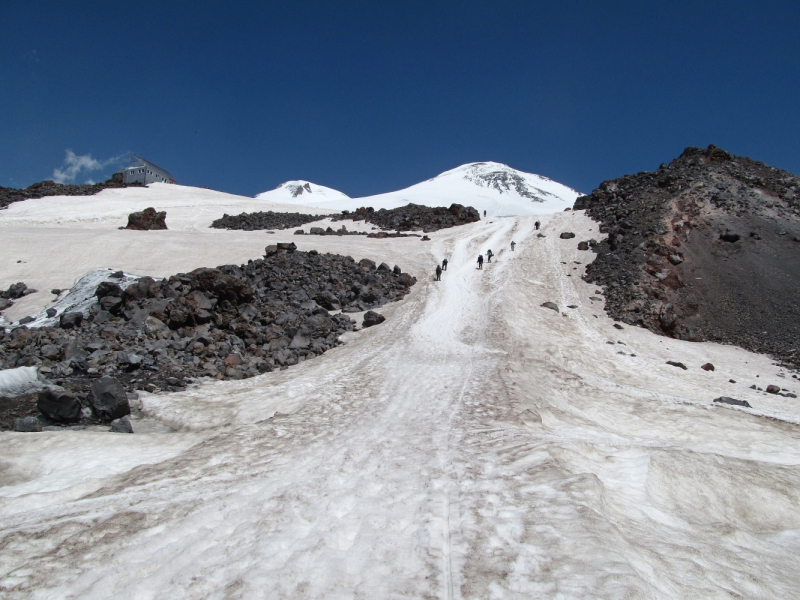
<point>676,262</point>
<point>265,220</point>
<point>122,425</point>
<point>59,405</point>
<point>147,219</point>
<point>415,217</point>
<point>108,399</point>
<point>16,290</point>
<point>49,188</point>
<point>680,365</point>
<point>551,306</point>
<point>733,401</point>
<point>27,424</point>
<point>68,320</point>
<point>567,235</point>
<point>372,318</point>
<point>707,367</point>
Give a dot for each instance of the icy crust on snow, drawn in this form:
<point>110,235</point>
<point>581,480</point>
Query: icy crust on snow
<point>80,297</point>
<point>19,381</point>
<point>487,186</point>
<point>474,445</point>
<point>302,192</point>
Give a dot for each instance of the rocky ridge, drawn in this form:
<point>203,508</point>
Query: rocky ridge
<point>231,322</point>
<point>414,217</point>
<point>264,220</point>
<point>706,247</point>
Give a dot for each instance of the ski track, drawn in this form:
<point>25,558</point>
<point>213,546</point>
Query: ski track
<point>475,445</point>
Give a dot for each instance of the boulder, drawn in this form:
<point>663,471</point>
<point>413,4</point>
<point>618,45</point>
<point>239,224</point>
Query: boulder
<point>122,425</point>
<point>108,398</point>
<point>108,288</point>
<point>707,367</point>
<point>372,318</point>
<point>583,245</point>
<point>733,401</point>
<point>366,263</point>
<point>680,365</point>
<point>147,220</point>
<point>286,247</point>
<point>70,320</point>
<point>51,351</point>
<point>153,326</point>
<point>567,235</point>
<point>550,305</point>
<point>58,404</point>
<point>27,424</point>
<point>773,389</point>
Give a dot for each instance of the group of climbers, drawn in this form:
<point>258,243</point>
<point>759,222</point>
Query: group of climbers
<point>489,255</point>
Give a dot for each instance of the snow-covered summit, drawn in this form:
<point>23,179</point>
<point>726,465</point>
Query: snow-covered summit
<point>504,179</point>
<point>487,186</point>
<point>302,192</point>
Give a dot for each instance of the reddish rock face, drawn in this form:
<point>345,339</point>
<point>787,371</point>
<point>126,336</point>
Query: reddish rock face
<point>147,219</point>
<point>703,249</point>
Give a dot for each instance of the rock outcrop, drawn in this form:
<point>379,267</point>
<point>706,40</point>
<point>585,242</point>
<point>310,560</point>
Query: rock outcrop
<point>414,217</point>
<point>264,220</point>
<point>703,248</point>
<point>229,322</point>
<point>147,220</point>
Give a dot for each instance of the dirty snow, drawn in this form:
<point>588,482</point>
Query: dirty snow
<point>475,445</point>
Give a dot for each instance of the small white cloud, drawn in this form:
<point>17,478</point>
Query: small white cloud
<point>74,165</point>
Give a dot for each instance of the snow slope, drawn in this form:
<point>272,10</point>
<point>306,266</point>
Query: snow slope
<point>187,207</point>
<point>487,186</point>
<point>303,193</point>
<point>475,445</point>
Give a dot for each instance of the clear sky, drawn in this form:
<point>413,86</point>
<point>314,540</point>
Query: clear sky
<point>370,97</point>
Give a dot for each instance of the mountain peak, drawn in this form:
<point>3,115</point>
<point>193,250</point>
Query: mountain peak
<point>300,191</point>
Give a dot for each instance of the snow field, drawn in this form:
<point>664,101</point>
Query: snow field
<point>474,445</point>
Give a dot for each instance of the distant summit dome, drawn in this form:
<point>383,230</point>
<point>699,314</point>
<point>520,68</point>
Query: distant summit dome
<point>505,179</point>
<point>302,192</point>
<point>486,186</point>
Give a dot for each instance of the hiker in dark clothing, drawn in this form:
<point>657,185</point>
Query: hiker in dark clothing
<point>484,213</point>
<point>513,243</point>
<point>489,256</point>
<point>537,225</point>
<point>444,265</point>
<point>438,273</point>
<point>480,261</point>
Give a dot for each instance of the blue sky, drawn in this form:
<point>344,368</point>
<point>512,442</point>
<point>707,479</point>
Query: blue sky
<point>369,97</point>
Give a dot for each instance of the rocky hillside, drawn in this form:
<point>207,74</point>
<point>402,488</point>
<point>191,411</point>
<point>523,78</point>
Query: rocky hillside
<point>264,220</point>
<point>50,188</point>
<point>231,322</point>
<point>414,217</point>
<point>706,247</point>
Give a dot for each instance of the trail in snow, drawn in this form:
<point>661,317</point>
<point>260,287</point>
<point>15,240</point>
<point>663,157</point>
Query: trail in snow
<point>475,445</point>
